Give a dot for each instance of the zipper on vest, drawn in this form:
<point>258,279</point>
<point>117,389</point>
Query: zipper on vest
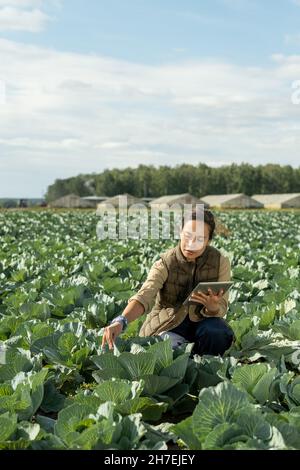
<point>194,275</point>
<point>192,284</point>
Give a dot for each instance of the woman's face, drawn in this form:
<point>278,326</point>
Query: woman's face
<point>194,238</point>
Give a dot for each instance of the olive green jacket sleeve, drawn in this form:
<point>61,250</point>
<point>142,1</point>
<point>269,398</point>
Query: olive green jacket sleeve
<point>158,275</point>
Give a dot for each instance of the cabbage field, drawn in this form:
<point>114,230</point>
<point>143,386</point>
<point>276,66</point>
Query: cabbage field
<point>60,285</point>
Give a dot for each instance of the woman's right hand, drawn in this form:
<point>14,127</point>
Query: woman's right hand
<point>110,334</point>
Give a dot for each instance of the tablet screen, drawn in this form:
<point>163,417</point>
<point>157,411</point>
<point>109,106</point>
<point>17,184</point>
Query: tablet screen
<point>204,286</point>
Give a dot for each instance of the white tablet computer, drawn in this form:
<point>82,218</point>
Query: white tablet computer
<point>204,286</point>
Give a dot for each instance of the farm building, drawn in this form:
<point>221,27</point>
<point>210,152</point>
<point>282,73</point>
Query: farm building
<point>148,199</point>
<point>180,199</point>
<point>278,201</point>
<point>71,201</point>
<point>94,200</point>
<point>233,201</point>
<point>116,201</point>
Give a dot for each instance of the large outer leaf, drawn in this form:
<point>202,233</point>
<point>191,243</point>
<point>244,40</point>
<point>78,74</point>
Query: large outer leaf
<point>132,431</point>
<point>36,393</point>
<point>217,405</point>
<point>67,342</point>
<point>89,438</point>
<point>35,310</point>
<point>254,425</point>
<point>247,376</point>
<point>69,420</point>
<point>222,435</point>
<point>8,425</point>
<point>150,409</point>
<point>177,369</point>
<point>267,317</point>
<point>46,342</point>
<point>109,366</point>
<point>46,423</point>
<point>261,391</point>
<point>157,384</point>
<point>185,431</point>
<point>163,353</point>
<point>19,402</point>
<point>53,401</point>
<point>37,386</point>
<point>16,362</point>
<point>290,328</point>
<point>116,391</point>
<point>137,365</point>
<point>290,432</point>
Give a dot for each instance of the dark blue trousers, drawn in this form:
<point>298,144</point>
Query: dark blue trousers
<point>211,335</point>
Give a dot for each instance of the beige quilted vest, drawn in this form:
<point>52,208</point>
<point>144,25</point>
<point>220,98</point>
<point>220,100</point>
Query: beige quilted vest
<point>183,276</point>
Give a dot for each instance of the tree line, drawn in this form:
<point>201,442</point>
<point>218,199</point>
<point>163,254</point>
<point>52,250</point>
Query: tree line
<point>199,180</point>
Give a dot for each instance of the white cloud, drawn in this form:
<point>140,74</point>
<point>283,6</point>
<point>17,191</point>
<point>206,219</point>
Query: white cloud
<point>26,15</point>
<point>70,113</point>
<point>112,145</point>
<point>30,3</point>
<point>20,3</point>
<point>14,19</point>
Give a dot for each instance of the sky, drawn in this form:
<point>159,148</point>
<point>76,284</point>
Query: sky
<point>96,84</point>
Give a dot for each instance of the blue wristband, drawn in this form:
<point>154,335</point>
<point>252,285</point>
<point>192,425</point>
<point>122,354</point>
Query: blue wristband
<point>121,319</point>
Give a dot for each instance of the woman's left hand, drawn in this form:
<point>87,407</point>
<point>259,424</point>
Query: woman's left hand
<point>210,301</point>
